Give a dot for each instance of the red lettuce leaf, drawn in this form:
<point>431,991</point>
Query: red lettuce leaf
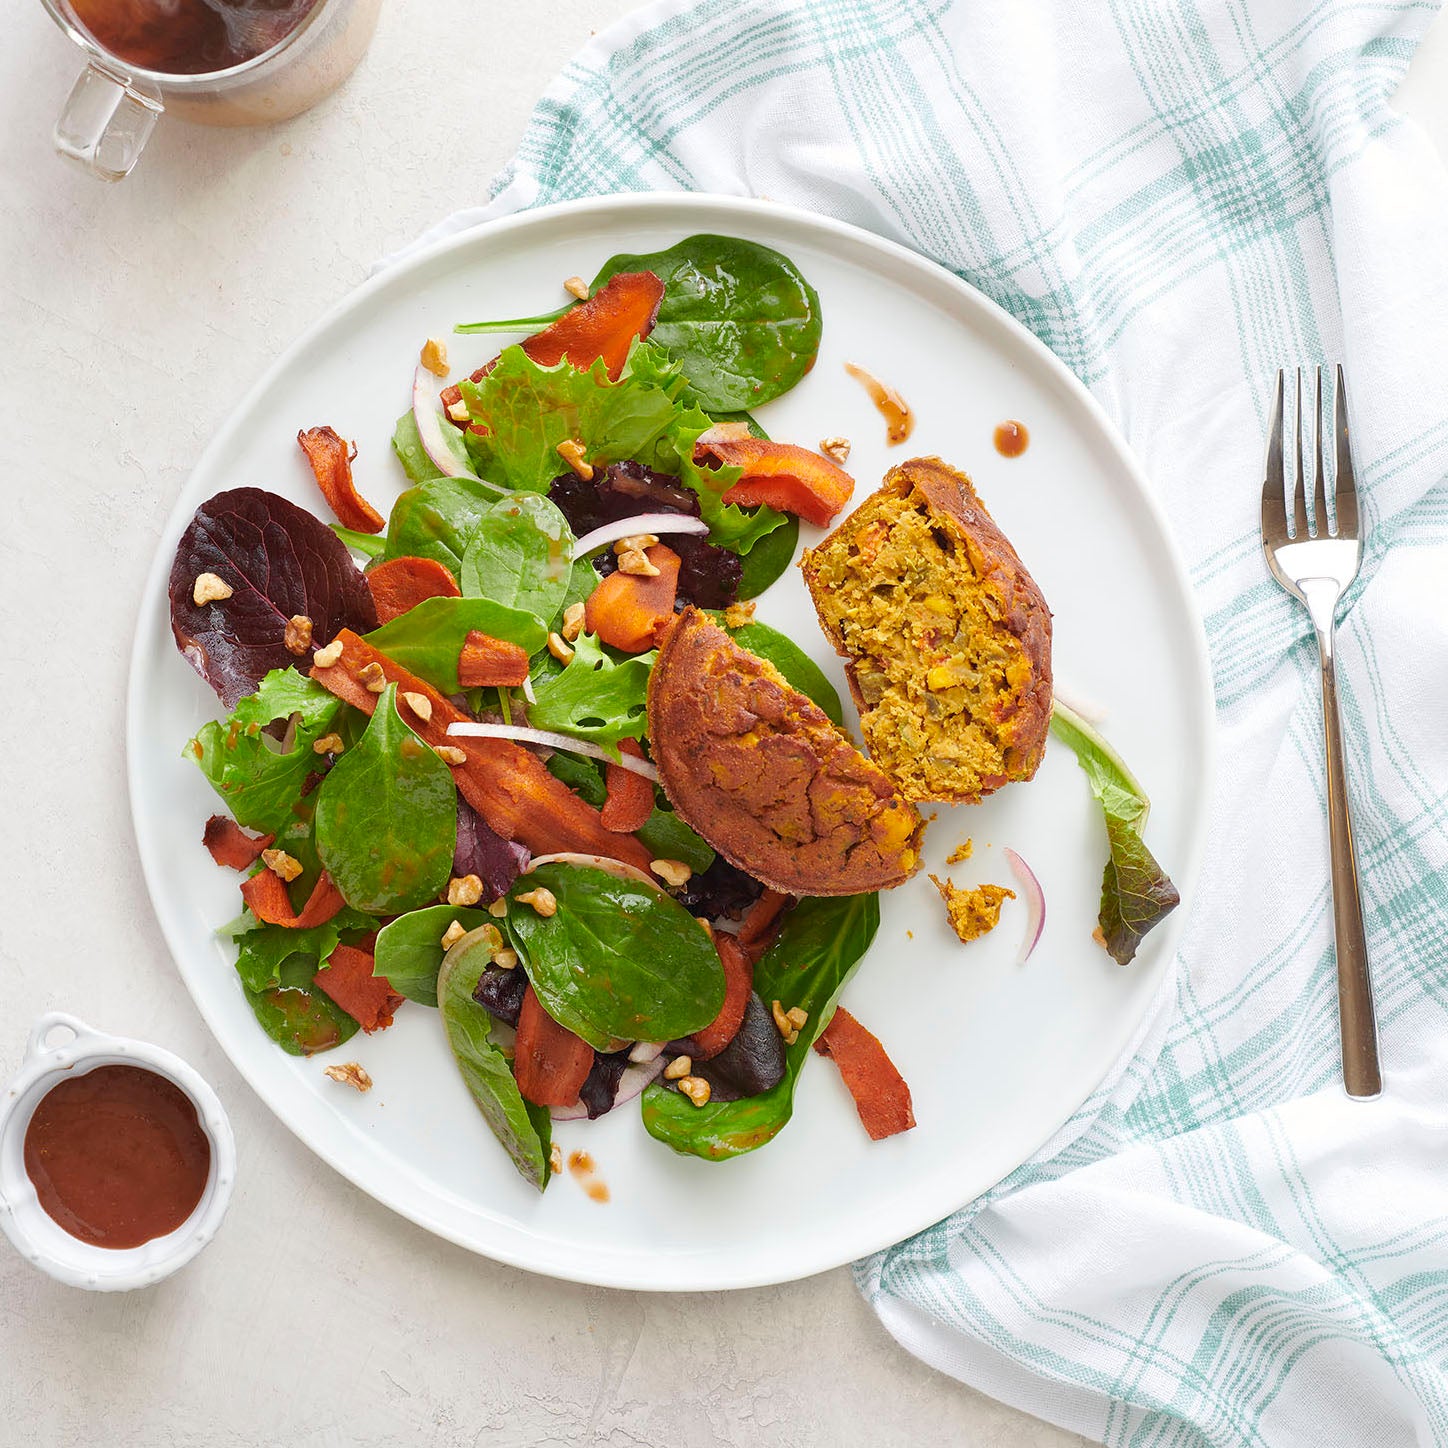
<point>481,851</point>
<point>279,561</point>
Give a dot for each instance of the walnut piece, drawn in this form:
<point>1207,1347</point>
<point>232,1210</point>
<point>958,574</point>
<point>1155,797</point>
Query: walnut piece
<point>208,588</point>
<point>298,635</point>
<point>349,1073</point>
<point>434,356</point>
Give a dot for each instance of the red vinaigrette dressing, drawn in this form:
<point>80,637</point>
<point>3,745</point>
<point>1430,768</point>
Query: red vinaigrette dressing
<point>585,1173</point>
<point>899,420</point>
<point>1012,439</point>
<point>117,1156</point>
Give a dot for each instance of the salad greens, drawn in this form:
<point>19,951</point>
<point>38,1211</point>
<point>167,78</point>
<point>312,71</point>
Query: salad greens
<point>409,949</point>
<point>387,817</point>
<point>369,545</point>
<point>301,1018</point>
<point>740,318</point>
<point>595,697</point>
<point>407,444</point>
<point>263,951</point>
<point>769,558</point>
<point>260,780</point>
<point>619,961</point>
<point>1136,893</point>
<point>428,638</point>
<point>435,519</point>
<point>525,1130</point>
<point>819,946</point>
<point>519,554</point>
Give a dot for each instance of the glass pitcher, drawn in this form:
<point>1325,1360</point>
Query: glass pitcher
<point>115,103</point>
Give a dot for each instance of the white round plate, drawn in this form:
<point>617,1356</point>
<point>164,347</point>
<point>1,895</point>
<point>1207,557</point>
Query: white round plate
<point>997,1055</point>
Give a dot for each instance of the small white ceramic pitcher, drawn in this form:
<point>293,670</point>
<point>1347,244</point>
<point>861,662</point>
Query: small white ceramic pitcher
<point>36,1235</point>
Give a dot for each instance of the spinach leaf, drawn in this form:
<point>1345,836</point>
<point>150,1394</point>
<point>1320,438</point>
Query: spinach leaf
<point>818,948</point>
<point>769,559</point>
<point>583,776</point>
<point>525,1130</point>
<point>436,518</point>
<point>409,950</point>
<point>259,781</point>
<point>594,697</point>
<point>428,638</point>
<point>407,444</point>
<point>740,318</point>
<point>529,410</point>
<point>369,545</point>
<point>387,817</point>
<point>262,951</point>
<point>619,961</point>
<point>1136,893</point>
<point>667,837</point>
<point>519,554</point>
<point>791,661</point>
<point>301,1019</point>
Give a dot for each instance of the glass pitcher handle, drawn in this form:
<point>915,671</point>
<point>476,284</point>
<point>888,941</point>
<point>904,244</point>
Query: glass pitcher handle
<point>106,123</point>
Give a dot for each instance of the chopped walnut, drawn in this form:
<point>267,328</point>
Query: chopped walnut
<point>555,1159</point>
<point>298,635</point>
<point>458,411</point>
<point>576,287</point>
<point>678,1068</point>
<point>542,899</point>
<point>787,1027</point>
<point>420,705</point>
<point>325,658</point>
<point>634,543</point>
<point>572,621</point>
<point>559,649</point>
<point>837,449</point>
<point>464,890</point>
<point>506,958</point>
<point>575,455</point>
<point>455,932</point>
<point>696,1088</point>
<point>372,678</point>
<point>798,1017</point>
<point>208,588</point>
<point>434,356</point>
<point>674,873</point>
<point>450,754</point>
<point>739,614</point>
<point>281,864</point>
<point>636,561</point>
<point>328,744</point>
<point>1099,936</point>
<point>498,909</point>
<point>349,1073</point>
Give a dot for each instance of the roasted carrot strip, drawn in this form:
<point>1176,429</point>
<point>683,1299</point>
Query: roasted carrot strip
<point>489,663</point>
<point>551,1064</point>
<point>881,1096</point>
<point>269,901</point>
<point>630,799</point>
<point>331,461</point>
<point>738,982</point>
<point>229,844</point>
<point>347,977</point>
<point>761,922</point>
<point>505,783</point>
<point>784,475</point>
<point>403,583</point>
<point>602,327</point>
<point>629,610</point>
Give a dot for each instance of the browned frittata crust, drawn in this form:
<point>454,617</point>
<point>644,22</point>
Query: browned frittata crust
<point>762,774</point>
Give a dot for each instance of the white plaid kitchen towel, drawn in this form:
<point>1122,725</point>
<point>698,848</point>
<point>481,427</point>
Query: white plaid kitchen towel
<point>1178,196</point>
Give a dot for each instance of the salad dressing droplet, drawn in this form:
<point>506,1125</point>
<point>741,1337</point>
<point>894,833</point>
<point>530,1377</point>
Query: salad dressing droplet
<point>581,1167</point>
<point>899,420</point>
<point>1012,439</point>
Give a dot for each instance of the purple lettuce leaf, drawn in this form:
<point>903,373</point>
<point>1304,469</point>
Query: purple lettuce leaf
<point>481,851</point>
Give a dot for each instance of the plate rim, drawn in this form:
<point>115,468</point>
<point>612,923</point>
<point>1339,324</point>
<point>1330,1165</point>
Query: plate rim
<point>686,1275</point>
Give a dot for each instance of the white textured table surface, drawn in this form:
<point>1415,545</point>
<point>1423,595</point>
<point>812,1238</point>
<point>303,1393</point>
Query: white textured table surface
<point>131,318</point>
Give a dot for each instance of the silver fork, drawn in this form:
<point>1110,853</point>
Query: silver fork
<point>1317,565</point>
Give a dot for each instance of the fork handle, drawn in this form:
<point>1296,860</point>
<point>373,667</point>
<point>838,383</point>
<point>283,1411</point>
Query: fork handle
<point>1361,1073</point>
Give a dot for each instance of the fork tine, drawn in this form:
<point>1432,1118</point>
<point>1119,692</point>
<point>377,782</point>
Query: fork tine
<point>1299,490</point>
<point>1274,510</point>
<point>1346,494</point>
<point>1319,485</point>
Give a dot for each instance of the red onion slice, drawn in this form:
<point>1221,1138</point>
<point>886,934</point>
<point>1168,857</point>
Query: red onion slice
<point>656,523</point>
<point>554,741</point>
<point>618,868</point>
<point>427,414</point>
<point>1035,904</point>
<point>630,1084</point>
<point>1088,709</point>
